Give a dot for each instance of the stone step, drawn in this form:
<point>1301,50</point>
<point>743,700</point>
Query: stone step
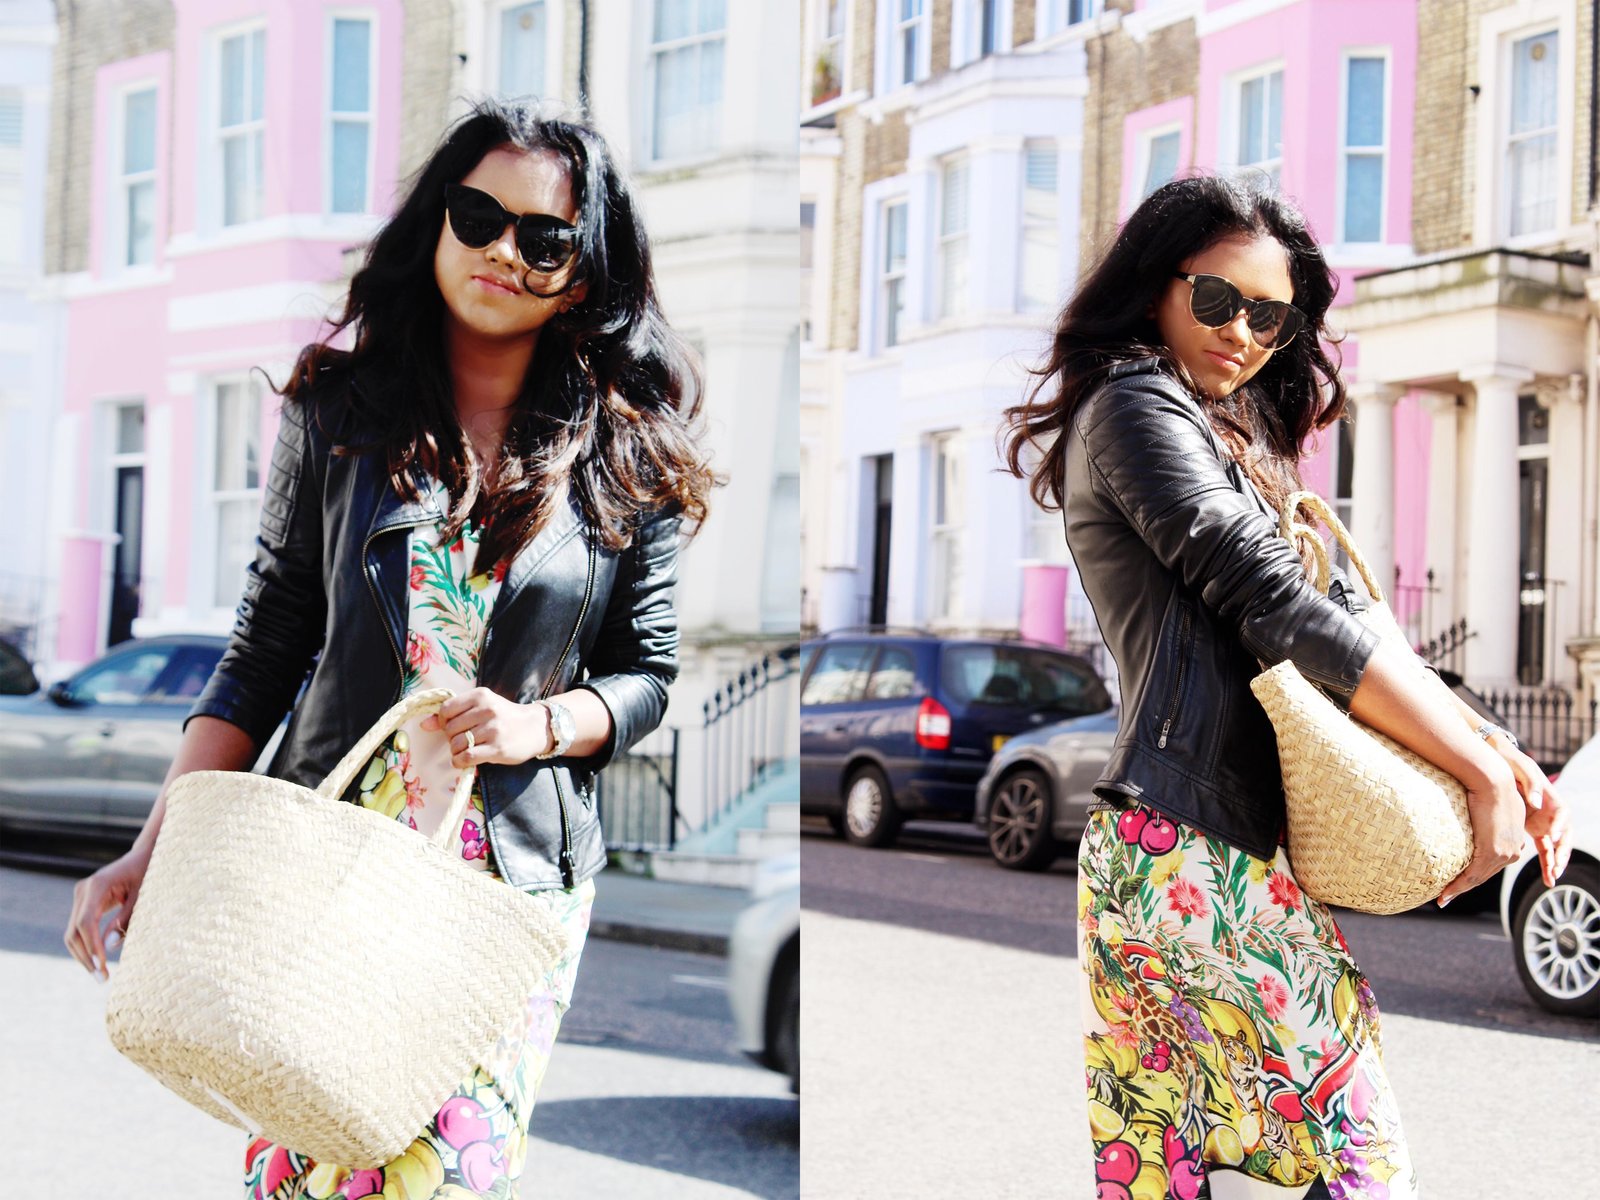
<point>784,816</point>
<point>717,870</point>
<point>764,843</point>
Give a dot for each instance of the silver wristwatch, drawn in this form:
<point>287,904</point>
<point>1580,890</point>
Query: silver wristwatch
<point>562,729</point>
<point>1488,729</point>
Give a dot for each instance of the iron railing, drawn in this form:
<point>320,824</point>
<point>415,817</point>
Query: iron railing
<point>1550,722</point>
<point>1445,650</point>
<point>637,795</point>
<point>749,728</point>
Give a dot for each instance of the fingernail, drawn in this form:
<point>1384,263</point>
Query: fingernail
<point>1444,900</point>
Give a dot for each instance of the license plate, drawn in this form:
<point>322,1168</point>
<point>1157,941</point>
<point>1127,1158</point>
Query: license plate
<point>1000,739</point>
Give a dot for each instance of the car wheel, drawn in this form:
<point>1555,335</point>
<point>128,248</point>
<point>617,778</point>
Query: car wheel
<point>1556,936</point>
<point>1019,822</point>
<point>786,1038</point>
<point>870,817</point>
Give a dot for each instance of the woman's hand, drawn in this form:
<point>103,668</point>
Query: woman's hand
<point>114,886</point>
<point>1496,809</point>
<point>1545,820</point>
<point>503,731</point>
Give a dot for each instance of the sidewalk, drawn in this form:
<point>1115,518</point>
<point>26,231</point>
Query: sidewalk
<point>674,916</point>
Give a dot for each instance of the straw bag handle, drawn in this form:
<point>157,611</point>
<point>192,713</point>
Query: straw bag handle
<point>1289,528</point>
<point>353,763</point>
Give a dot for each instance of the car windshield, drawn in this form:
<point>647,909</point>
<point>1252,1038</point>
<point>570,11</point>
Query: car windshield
<point>1020,677</point>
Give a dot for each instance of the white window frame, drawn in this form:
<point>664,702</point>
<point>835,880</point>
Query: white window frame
<point>555,34</point>
<point>819,42</point>
<point>951,306</point>
<point>1497,31</point>
<point>891,64</point>
<point>1232,110</point>
<point>116,261</point>
<point>653,52</point>
<point>330,118</point>
<point>946,538</point>
<point>209,500</point>
<point>214,205</point>
<point>13,183</point>
<point>1380,152</point>
<point>966,33</point>
<point>882,276</point>
<point>1053,16</point>
<point>1504,136</point>
<point>1025,226</point>
<point>1146,140</point>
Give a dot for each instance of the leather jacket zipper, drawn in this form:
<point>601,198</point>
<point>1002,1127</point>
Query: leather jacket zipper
<point>1177,683</point>
<point>568,867</point>
<point>372,589</point>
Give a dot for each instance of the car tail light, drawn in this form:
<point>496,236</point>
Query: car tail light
<point>933,725</point>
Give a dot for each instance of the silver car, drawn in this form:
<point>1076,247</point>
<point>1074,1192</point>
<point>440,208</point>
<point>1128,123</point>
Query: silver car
<point>88,755</point>
<point>764,969</point>
<point>1034,799</point>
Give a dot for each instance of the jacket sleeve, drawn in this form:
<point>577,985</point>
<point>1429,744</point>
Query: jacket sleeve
<point>279,626</point>
<point>1344,593</point>
<point>1151,460</point>
<point>635,655</point>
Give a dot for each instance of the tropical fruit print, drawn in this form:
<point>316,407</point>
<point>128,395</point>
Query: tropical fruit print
<point>1226,1025</point>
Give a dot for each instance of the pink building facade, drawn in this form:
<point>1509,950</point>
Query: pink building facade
<point>230,174</point>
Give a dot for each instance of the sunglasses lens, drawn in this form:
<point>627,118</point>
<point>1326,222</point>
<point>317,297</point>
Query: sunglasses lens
<point>1214,301</point>
<point>475,219</point>
<point>1274,324</point>
<point>544,250</point>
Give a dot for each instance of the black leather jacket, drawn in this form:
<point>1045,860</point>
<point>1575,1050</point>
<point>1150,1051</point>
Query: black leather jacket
<point>329,583</point>
<point>1192,584</point>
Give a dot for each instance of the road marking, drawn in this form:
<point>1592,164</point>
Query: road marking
<point>705,981</point>
<point>1493,937</point>
<point>933,858</point>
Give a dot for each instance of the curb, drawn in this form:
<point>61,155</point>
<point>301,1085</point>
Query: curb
<point>662,939</point>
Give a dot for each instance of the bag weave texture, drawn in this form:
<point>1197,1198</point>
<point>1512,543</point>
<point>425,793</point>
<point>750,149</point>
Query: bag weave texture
<point>1373,826</point>
<point>316,972</point>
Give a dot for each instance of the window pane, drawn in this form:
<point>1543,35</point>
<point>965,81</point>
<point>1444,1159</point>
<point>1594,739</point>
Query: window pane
<point>895,676</point>
<point>1163,165</point>
<point>894,237</point>
<point>1533,83</point>
<point>10,117</point>
<point>522,50</point>
<point>894,309</point>
<point>1041,260</point>
<point>1533,422</point>
<point>673,19</point>
<point>236,529</point>
<point>130,429</point>
<point>122,679</point>
<point>908,54</point>
<point>258,74</point>
<point>1251,133</point>
<point>910,9</point>
<point>713,16</point>
<point>808,233</point>
<point>839,676</point>
<point>351,51</point>
<point>236,195</point>
<point>1364,120</point>
<point>1363,198</point>
<point>1040,169</point>
<point>953,277</point>
<point>232,80</point>
<point>141,234</point>
<point>710,91</point>
<point>953,199</point>
<point>1274,148</point>
<point>349,166</point>
<point>688,99</point>
<point>1533,184</point>
<point>238,441</point>
<point>139,132</point>
<point>835,18</point>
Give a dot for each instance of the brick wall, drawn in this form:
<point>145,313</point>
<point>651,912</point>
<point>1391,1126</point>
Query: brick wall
<point>428,62</point>
<point>1024,22</point>
<point>92,33</point>
<point>1126,76</point>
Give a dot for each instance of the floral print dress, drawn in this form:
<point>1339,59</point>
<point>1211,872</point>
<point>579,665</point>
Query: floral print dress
<point>1226,1025</point>
<point>477,1143</point>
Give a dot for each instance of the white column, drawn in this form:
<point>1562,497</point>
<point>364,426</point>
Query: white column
<point>1373,484</point>
<point>1443,493</point>
<point>1494,526</point>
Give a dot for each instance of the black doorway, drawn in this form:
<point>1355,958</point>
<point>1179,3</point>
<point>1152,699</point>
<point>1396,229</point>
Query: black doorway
<point>882,517</point>
<point>129,551</point>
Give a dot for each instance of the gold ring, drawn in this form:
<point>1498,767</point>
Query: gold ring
<point>471,742</point>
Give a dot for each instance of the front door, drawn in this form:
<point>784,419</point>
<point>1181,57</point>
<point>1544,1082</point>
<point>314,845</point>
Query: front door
<point>126,564</point>
<point>882,518</point>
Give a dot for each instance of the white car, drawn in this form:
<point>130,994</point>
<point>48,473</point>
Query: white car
<point>1555,932</point>
<point>764,969</point>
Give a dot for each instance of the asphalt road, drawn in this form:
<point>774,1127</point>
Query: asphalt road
<point>646,1094</point>
<point>943,1054</point>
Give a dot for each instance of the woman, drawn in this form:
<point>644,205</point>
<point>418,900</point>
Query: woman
<point>1231,1041</point>
<point>483,492</point>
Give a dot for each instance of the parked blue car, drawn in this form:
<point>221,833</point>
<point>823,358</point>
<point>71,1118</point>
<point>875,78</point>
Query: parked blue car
<point>895,726</point>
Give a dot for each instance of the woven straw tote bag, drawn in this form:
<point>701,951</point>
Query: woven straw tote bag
<point>316,972</point>
<point>1372,825</point>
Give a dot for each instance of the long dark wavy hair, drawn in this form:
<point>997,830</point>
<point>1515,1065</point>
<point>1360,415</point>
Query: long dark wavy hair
<point>1107,321</point>
<point>610,403</point>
